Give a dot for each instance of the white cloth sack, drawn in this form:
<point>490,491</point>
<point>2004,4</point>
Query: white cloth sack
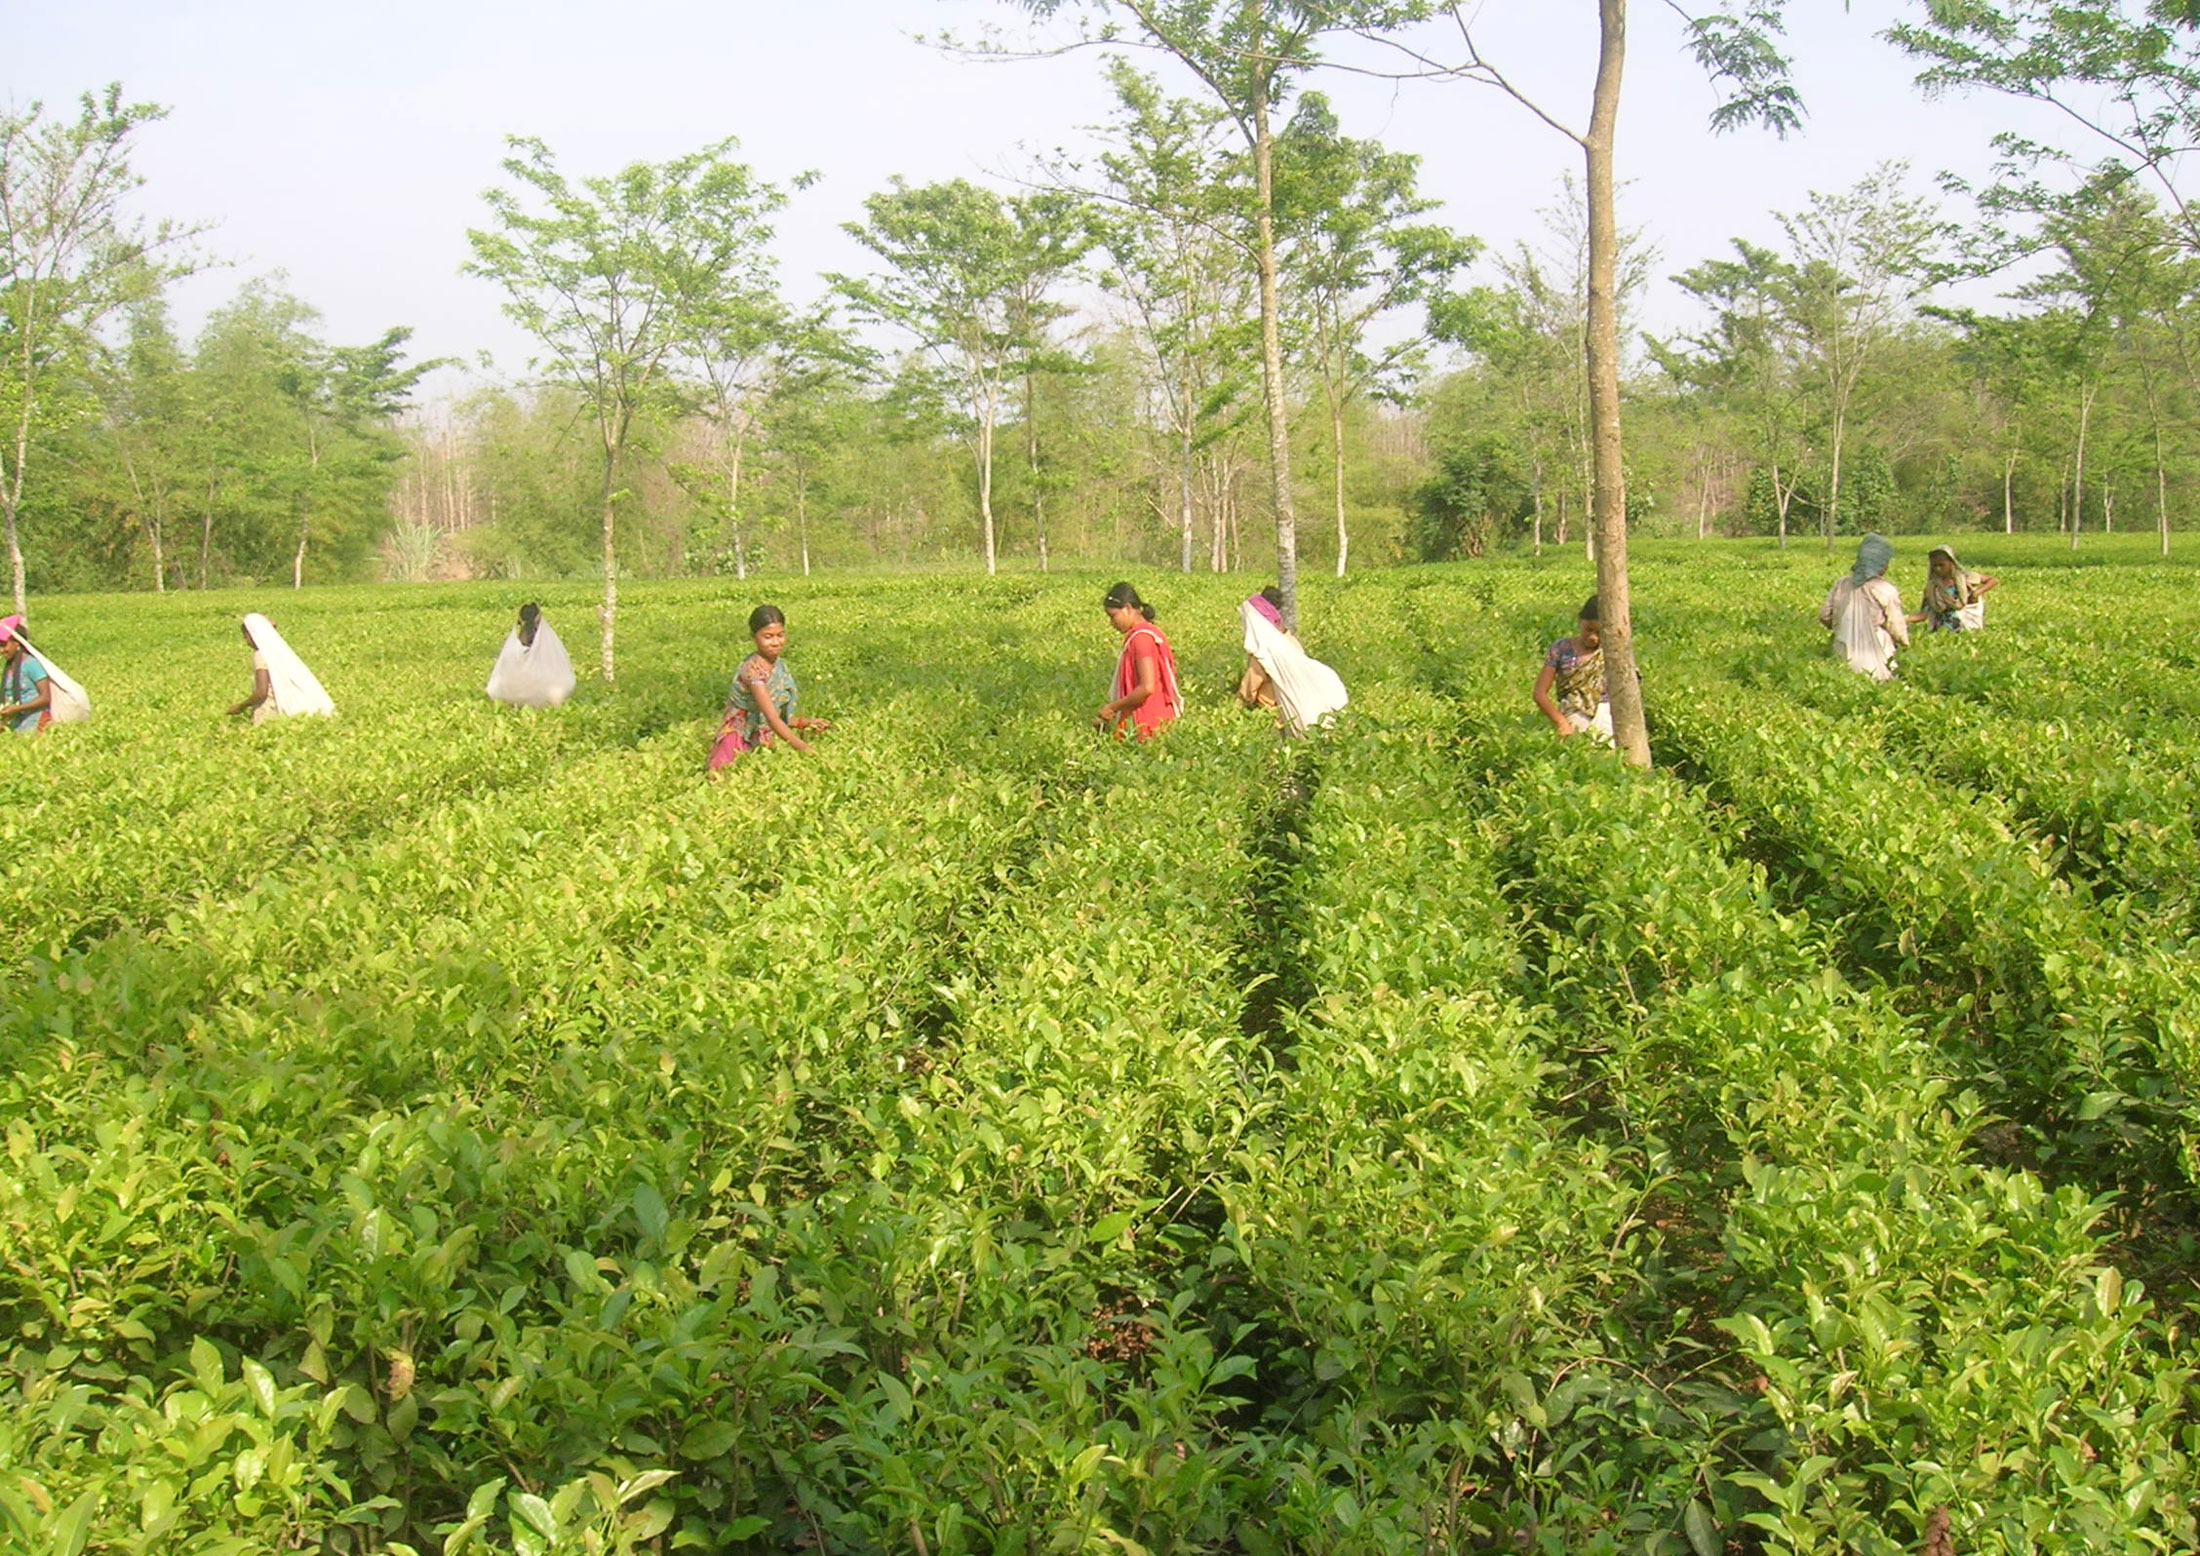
<point>1970,618</point>
<point>532,675</point>
<point>291,688</point>
<point>1308,692</point>
<point>70,704</point>
<point>1859,630</point>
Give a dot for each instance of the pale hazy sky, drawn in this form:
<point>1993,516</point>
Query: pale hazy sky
<point>347,145</point>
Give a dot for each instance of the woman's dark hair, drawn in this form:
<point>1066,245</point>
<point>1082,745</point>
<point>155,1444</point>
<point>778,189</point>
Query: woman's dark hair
<point>1123,595</point>
<point>766,616</point>
<point>528,613</point>
<point>1588,610</point>
<point>1273,595</point>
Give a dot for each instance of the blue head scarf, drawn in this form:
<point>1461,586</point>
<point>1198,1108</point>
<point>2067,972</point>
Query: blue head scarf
<point>1872,558</point>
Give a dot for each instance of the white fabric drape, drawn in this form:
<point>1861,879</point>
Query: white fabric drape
<point>70,704</point>
<point>1308,692</point>
<point>532,675</point>
<point>1867,625</point>
<point>291,688</point>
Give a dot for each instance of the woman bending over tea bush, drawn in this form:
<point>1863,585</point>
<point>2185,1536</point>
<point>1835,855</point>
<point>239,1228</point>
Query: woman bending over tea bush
<point>1279,674</point>
<point>760,708</point>
<point>1570,691</point>
<point>282,686</point>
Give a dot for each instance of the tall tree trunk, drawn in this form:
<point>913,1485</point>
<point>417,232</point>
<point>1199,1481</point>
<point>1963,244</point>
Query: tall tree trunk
<point>11,492</point>
<point>1031,457</point>
<point>2161,475</point>
<point>802,516</point>
<point>160,563</point>
<point>1833,484</point>
<point>1535,492</point>
<point>985,474</point>
<point>1271,354</point>
<point>2008,493</point>
<point>2108,507</point>
<point>608,612</point>
<point>1336,443</point>
<point>206,534</point>
<point>1184,487</point>
<point>733,508</point>
<point>2077,476</point>
<point>1622,685</point>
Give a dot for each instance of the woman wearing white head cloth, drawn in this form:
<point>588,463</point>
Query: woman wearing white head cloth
<point>532,670</point>
<point>1305,693</point>
<point>282,686</point>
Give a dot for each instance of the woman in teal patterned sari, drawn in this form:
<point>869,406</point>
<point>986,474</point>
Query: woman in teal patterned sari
<point>760,708</point>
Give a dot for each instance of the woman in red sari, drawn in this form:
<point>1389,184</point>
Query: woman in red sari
<point>1145,677</point>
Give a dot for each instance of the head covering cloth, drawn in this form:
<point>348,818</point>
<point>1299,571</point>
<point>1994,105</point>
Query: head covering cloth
<point>1308,692</point>
<point>1872,557</point>
<point>291,687</point>
<point>1952,594</point>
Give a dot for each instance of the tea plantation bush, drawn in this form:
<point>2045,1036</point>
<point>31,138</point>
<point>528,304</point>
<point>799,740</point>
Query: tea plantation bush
<point>446,1128</point>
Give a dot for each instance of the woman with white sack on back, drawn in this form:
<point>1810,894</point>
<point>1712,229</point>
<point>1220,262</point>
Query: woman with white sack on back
<point>532,669</point>
<point>33,690</point>
<point>282,686</point>
<point>1864,612</point>
<point>1279,674</point>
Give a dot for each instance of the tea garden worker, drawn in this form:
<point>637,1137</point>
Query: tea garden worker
<point>26,691</point>
<point>1279,674</point>
<point>282,686</point>
<point>1955,597</point>
<point>760,708</point>
<point>1864,612</point>
<point>1146,696</point>
<point>1570,689</point>
<point>532,669</point>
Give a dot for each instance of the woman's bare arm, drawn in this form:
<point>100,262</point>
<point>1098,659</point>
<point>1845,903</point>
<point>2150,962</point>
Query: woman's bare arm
<point>759,685</point>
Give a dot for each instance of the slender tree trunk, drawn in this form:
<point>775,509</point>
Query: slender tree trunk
<point>206,535</point>
<point>1271,354</point>
<point>733,508</point>
<point>985,474</point>
<point>1833,483</point>
<point>2077,477</point>
<point>160,563</point>
<point>2008,493</point>
<point>1031,455</point>
<point>1622,685</point>
<point>1184,480</point>
<point>1336,441</point>
<point>608,612</point>
<point>2108,507</point>
<point>11,488</point>
<point>2161,493</point>
<point>2161,474</point>
<point>802,517</point>
<point>1535,493</point>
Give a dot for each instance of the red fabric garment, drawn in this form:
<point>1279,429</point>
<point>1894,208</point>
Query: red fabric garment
<point>1147,643</point>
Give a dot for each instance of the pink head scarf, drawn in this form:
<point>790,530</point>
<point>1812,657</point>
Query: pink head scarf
<point>10,626</point>
<point>1260,603</point>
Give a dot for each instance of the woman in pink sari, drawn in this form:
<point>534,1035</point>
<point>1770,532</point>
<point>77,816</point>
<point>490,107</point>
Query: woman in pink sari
<point>1145,676</point>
